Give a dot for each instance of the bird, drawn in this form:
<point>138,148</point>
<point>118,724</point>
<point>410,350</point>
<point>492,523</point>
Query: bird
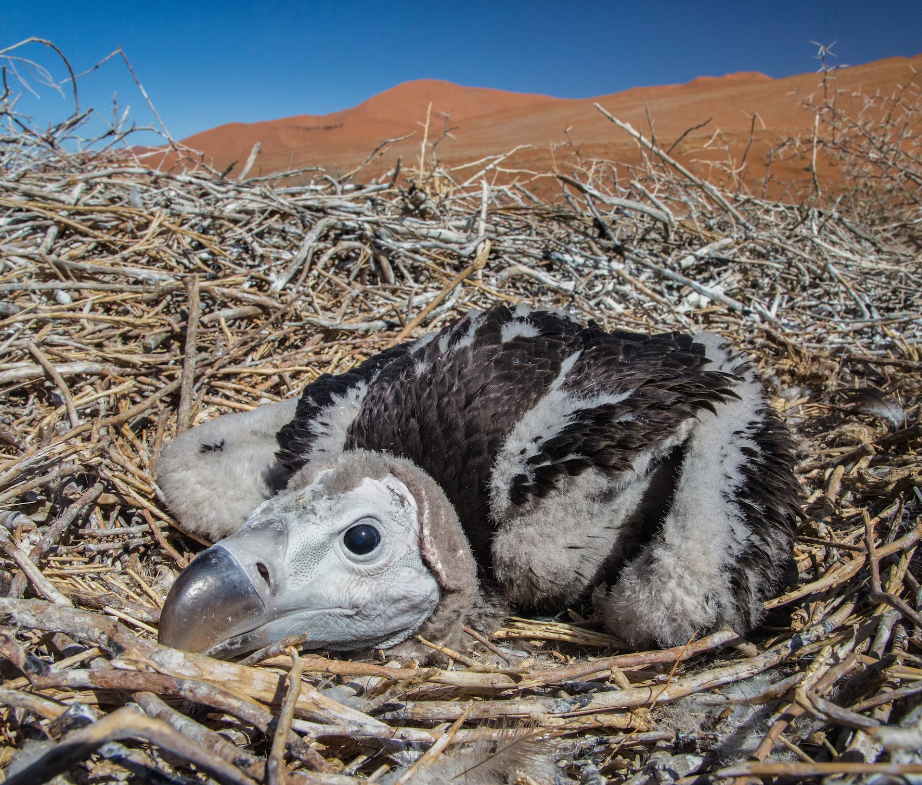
<point>514,460</point>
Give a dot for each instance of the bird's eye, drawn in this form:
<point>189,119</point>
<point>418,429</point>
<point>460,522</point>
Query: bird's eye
<point>361,539</point>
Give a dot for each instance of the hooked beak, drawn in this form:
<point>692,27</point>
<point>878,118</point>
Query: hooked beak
<point>288,572</point>
<point>232,598</point>
<point>212,600</point>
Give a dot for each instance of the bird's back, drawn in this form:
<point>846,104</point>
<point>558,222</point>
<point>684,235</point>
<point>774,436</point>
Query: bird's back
<point>451,403</point>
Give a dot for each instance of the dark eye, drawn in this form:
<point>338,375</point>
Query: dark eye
<point>361,539</point>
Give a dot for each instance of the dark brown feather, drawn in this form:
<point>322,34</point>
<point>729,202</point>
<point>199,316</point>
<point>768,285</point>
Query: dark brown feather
<point>452,418</point>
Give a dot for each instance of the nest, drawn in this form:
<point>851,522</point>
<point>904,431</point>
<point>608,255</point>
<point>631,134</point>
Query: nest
<point>138,301</point>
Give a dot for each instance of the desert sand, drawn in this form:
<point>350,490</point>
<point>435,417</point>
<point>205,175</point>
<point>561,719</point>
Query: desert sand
<point>561,132</point>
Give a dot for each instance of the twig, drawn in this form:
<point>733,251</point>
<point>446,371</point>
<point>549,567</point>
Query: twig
<point>711,294</point>
<point>42,585</point>
<point>125,723</point>
<point>888,697</point>
<point>611,201</point>
<point>844,572</point>
<point>162,541</point>
<point>195,690</point>
<point>455,655</point>
<point>129,414</point>
<point>304,252</point>
<point>59,382</point>
<point>143,92</point>
<point>257,683</point>
<point>805,770</point>
<point>429,756</point>
<point>257,149</point>
<point>275,649</point>
<point>54,533</point>
<point>251,765</point>
<point>877,593</point>
<point>377,153</point>
<point>624,699</point>
<point>275,768</point>
<point>790,711</point>
<point>709,189</point>
<point>10,436</point>
<point>184,413</point>
<point>479,261</point>
<point>685,133</point>
<point>43,707</point>
<point>488,645</point>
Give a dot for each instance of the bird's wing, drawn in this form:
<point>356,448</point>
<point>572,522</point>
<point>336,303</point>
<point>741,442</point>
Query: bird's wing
<point>725,543</point>
<point>688,505</point>
<point>616,400</point>
<point>215,474</point>
<point>327,408</point>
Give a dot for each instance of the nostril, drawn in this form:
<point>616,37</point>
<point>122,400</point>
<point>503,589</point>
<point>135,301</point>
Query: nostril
<point>264,573</point>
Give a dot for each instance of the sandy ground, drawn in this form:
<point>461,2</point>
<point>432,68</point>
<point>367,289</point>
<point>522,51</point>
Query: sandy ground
<point>562,133</point>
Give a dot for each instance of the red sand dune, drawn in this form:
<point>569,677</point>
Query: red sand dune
<point>487,122</point>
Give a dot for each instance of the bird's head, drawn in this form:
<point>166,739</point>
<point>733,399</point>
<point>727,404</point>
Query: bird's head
<point>351,555</point>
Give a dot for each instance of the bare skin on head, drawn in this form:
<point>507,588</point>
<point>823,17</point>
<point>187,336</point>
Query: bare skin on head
<point>345,568</point>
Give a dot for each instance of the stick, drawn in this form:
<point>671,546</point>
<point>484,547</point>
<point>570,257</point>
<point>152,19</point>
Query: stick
<point>804,770</point>
<point>162,541</point>
<point>479,261</point>
<point>251,765</point>
<point>257,149</point>
<point>42,585</point>
<point>665,272</point>
<point>304,252</point>
<point>487,644</point>
<point>194,690</point>
<point>59,382</point>
<point>622,699</point>
<point>129,414</point>
<point>35,703</point>
<point>24,372</point>
<point>9,435</point>
<point>429,756</point>
<point>39,482</point>
<point>877,593</point>
<point>709,189</point>
<point>54,533</point>
<point>257,683</point>
<point>125,723</point>
<point>626,204</point>
<point>844,572</point>
<point>275,649</point>
<point>276,773</point>
<point>184,414</point>
<point>455,655</point>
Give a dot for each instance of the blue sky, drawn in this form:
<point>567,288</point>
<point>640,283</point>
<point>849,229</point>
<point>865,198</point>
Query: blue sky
<point>206,63</point>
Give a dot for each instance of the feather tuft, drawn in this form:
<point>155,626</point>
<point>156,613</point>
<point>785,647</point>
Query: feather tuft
<point>497,761</point>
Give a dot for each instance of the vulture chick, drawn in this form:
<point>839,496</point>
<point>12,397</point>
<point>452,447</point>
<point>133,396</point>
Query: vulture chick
<point>515,459</point>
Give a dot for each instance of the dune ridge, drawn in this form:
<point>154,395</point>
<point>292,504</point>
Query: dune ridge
<point>561,131</point>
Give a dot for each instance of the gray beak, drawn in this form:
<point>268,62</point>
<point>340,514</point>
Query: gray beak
<point>290,570</point>
<point>211,601</point>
